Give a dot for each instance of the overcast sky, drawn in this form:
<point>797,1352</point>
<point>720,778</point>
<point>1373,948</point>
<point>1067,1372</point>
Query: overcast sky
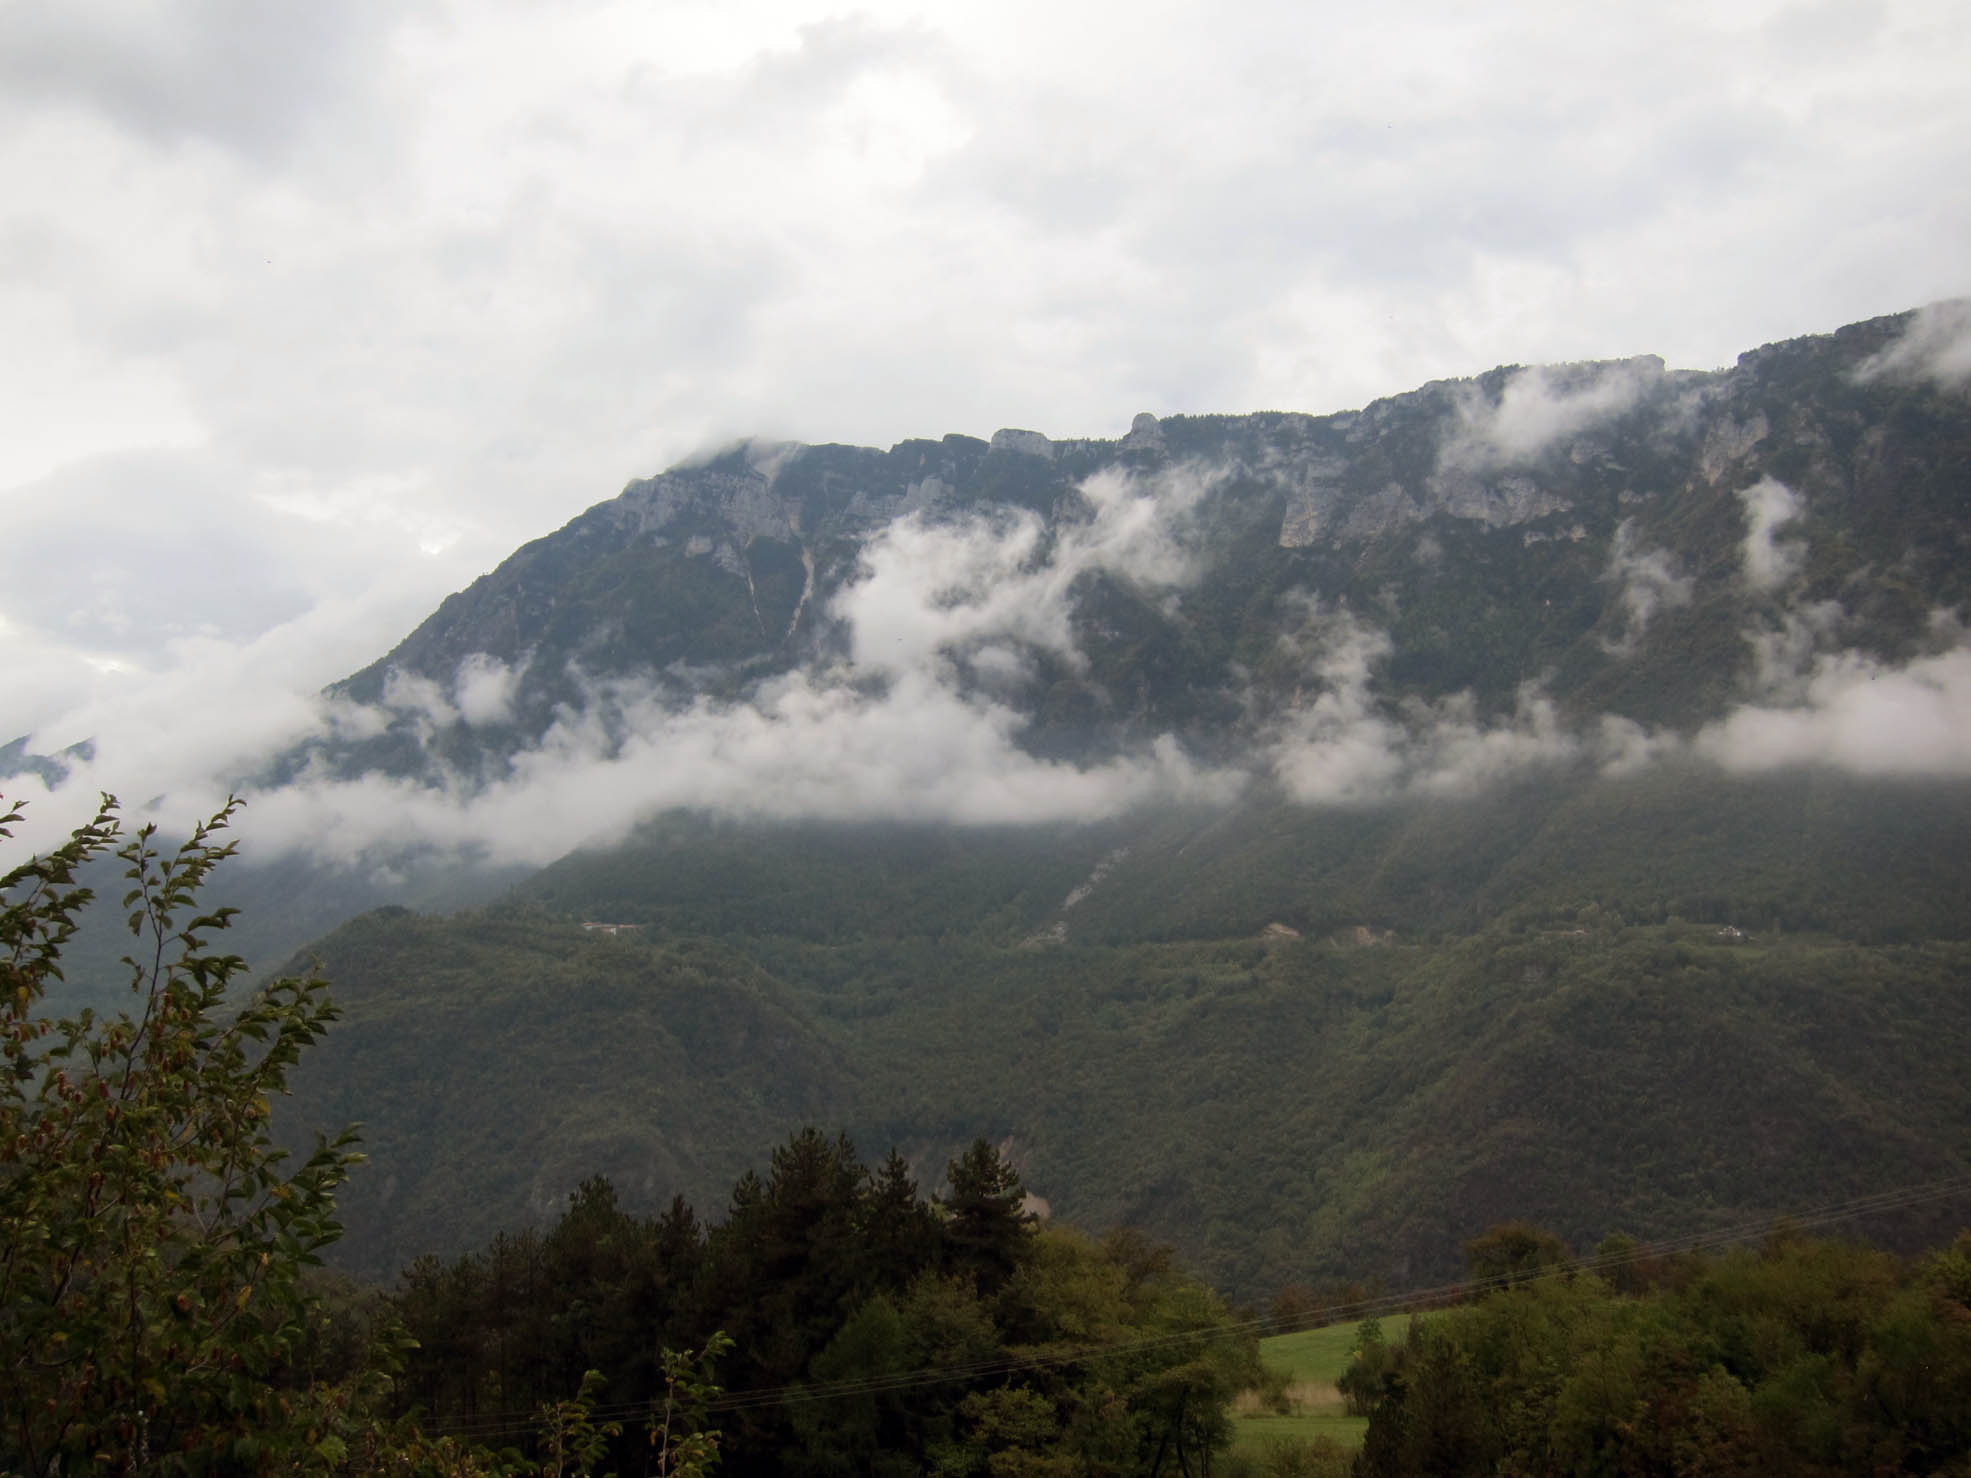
<point>313,312</point>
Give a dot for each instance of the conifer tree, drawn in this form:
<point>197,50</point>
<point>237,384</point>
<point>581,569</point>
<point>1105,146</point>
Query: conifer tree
<point>988,1226</point>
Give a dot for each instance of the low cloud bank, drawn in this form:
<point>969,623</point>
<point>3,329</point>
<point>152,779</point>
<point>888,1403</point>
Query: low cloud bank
<point>1345,748</point>
<point>808,746</point>
<point>945,630</point>
<point>1646,581</point>
<point>1816,701</point>
<point>1852,713</point>
<point>1813,703</point>
<point>943,624</point>
<point>166,740</point>
<point>1769,560</point>
<point>1936,347</point>
<point>1541,406</point>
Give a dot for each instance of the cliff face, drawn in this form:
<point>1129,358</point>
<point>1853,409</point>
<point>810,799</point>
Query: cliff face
<point>1585,525</point>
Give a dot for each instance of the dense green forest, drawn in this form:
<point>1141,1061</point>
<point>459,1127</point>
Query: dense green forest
<point>156,1313</point>
<point>873,1331</point>
<point>1694,1000</point>
<point>1798,1356</point>
<point>159,1312</point>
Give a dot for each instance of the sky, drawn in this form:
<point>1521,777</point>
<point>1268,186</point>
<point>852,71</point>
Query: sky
<point>313,313</point>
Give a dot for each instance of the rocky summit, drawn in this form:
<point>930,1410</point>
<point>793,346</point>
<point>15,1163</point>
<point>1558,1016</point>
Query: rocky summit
<point>1616,539</point>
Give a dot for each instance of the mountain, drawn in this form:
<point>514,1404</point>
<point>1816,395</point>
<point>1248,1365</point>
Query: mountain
<point>1306,837</point>
<point>1582,525</point>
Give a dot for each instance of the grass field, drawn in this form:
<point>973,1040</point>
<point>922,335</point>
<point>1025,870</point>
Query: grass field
<point>1313,1360</point>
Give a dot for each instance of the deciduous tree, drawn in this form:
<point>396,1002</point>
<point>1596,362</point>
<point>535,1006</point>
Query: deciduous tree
<point>152,1238</point>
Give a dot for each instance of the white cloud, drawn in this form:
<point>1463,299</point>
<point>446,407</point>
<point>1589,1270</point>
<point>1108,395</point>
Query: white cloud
<point>1457,753</point>
<point>1622,746</point>
<point>1339,748</point>
<point>809,745</point>
<point>889,733</point>
<point>1861,716</point>
<point>174,740</point>
<point>1003,669</point>
<point>202,711</point>
<point>1769,561</point>
<point>420,699</point>
<point>1783,654</point>
<point>1646,581</point>
<point>1347,747</point>
<point>1541,406</point>
<point>927,589</point>
<point>485,688</point>
<point>246,77</point>
<point>1935,347</point>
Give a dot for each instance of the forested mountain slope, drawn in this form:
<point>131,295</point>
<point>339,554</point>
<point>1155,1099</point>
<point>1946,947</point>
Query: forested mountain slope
<point>1306,837</point>
<point>1350,1083</point>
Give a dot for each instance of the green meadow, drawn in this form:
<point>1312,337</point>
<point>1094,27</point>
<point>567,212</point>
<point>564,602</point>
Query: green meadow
<point>1311,1361</point>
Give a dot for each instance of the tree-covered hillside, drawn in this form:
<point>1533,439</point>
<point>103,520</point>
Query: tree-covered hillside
<point>1307,837</point>
<point>1643,1003</point>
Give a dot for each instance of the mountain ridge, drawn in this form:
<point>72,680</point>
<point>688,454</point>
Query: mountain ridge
<point>1302,837</point>
<point>1614,488</point>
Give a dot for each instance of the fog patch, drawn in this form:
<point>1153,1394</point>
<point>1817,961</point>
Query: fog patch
<point>1936,347</point>
<point>942,624</point>
<point>807,746</point>
<point>1539,407</point>
<point>1004,669</point>
<point>1339,748</point>
<point>351,723</point>
<point>1347,747</point>
<point>1770,561</point>
<point>172,740</point>
<point>1623,747</point>
<point>1458,754</point>
<point>407,695</point>
<point>929,592</point>
<point>1646,582</point>
<point>1860,715</point>
<point>484,690</point>
<point>1784,653</point>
